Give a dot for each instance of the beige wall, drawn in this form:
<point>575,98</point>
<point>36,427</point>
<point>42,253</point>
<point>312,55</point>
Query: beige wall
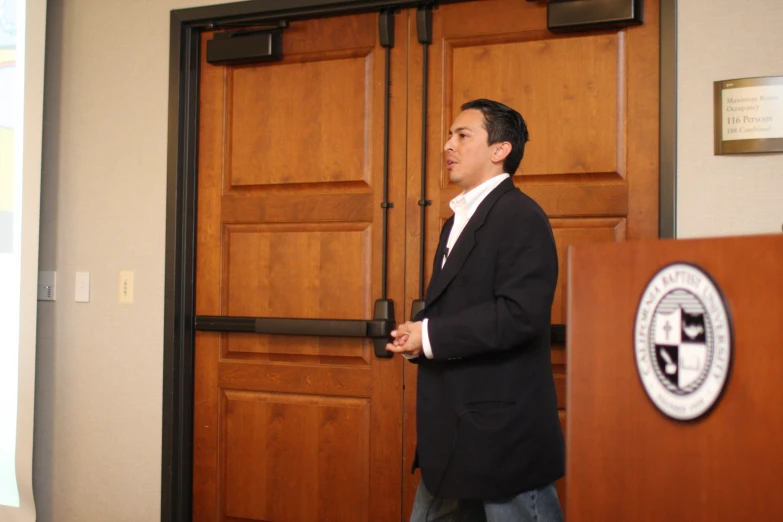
<point>732,194</point>
<point>103,205</point>
<point>99,365</point>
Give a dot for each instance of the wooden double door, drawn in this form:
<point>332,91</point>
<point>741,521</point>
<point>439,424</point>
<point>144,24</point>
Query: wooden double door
<point>305,213</point>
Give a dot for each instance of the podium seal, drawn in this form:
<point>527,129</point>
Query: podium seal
<point>683,341</point>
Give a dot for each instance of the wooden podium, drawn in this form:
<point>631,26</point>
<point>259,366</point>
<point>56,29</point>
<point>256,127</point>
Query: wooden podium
<point>628,460</point>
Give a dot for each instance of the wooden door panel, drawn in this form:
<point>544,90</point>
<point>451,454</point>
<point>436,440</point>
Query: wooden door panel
<point>566,86</point>
<point>336,86</point>
<point>329,275</point>
<point>290,226</point>
<point>577,231</point>
<point>332,283</point>
<point>342,380</point>
<point>316,441</point>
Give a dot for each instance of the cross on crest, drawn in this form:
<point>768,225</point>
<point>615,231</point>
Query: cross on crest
<point>667,328</point>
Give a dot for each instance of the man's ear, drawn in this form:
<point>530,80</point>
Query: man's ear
<point>501,150</point>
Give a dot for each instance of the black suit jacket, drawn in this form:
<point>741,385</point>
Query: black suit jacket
<point>487,421</point>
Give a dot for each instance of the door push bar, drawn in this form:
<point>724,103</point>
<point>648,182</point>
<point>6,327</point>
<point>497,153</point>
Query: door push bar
<point>378,328</point>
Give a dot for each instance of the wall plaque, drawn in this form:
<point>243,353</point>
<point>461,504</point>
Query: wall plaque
<point>749,115</point>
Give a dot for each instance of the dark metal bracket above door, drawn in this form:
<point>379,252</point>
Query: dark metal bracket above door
<point>589,15</point>
<point>262,44</point>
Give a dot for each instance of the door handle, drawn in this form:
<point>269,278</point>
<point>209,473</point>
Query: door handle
<point>378,328</point>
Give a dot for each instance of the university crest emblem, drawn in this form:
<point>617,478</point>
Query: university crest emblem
<point>683,341</point>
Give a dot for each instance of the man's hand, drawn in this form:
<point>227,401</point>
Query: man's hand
<point>407,339</point>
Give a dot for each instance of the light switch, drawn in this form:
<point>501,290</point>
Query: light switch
<point>82,287</point>
<point>126,287</point>
<point>47,289</point>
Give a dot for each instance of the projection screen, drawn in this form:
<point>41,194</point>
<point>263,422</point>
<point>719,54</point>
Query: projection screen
<point>22,42</point>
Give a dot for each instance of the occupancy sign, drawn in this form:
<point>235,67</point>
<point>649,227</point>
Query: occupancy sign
<point>749,115</point>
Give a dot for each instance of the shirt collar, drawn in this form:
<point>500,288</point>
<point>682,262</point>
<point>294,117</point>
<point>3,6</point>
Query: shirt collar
<point>476,195</point>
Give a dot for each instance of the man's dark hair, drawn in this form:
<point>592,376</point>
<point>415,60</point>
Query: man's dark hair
<point>503,123</point>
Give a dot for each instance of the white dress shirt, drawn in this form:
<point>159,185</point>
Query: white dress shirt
<point>464,206</point>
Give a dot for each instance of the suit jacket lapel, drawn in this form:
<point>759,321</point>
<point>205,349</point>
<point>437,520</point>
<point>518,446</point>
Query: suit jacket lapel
<point>464,245</point>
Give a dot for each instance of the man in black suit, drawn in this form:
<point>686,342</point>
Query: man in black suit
<point>489,440</point>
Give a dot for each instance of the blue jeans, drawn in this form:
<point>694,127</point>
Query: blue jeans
<point>536,505</point>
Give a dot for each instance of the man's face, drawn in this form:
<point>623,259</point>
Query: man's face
<point>467,153</point>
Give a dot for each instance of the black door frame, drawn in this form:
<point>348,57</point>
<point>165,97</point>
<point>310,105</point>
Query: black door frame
<point>182,167</point>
